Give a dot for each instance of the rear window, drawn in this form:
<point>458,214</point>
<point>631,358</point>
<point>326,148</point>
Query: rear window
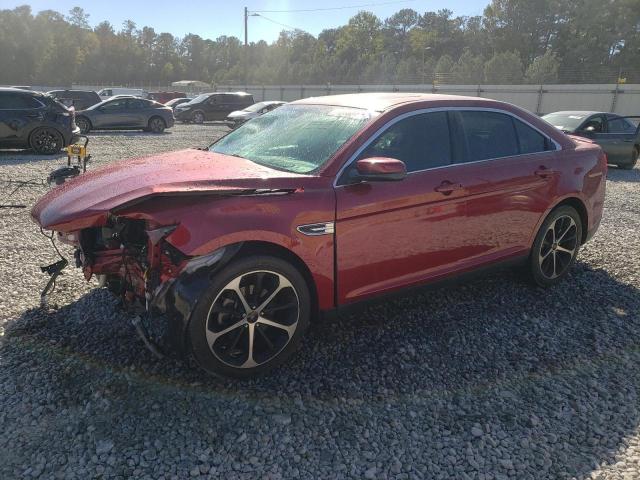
<point>531,141</point>
<point>488,135</point>
<point>620,125</point>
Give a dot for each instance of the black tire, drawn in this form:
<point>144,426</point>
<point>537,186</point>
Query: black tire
<point>556,246</point>
<point>156,125</point>
<point>221,319</point>
<point>633,160</point>
<point>46,140</point>
<point>198,117</point>
<point>83,124</point>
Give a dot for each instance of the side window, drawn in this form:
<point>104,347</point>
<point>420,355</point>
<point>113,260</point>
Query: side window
<point>488,135</point>
<point>135,104</point>
<point>12,101</point>
<point>593,124</point>
<point>420,141</point>
<point>620,125</point>
<point>531,141</point>
<point>115,106</point>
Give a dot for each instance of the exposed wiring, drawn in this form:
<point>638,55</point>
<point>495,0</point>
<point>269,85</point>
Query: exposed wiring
<point>51,239</point>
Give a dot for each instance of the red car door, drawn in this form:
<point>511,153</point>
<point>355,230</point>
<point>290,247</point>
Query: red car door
<point>393,234</point>
<point>511,177</point>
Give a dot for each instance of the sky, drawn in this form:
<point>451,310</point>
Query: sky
<point>213,18</point>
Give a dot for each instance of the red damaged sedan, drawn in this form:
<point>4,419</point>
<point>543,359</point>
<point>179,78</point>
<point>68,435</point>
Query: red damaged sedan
<point>321,205</point>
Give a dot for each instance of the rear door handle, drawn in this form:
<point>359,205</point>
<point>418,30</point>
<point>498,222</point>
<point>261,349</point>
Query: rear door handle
<point>447,188</point>
<point>629,141</point>
<point>544,172</point>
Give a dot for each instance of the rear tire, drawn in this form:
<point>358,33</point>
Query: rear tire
<point>83,124</point>
<point>156,125</point>
<point>556,246</point>
<point>251,318</point>
<point>634,159</point>
<point>46,140</point>
<point>198,117</point>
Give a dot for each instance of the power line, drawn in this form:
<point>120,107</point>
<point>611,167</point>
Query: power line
<point>254,14</point>
<point>379,4</point>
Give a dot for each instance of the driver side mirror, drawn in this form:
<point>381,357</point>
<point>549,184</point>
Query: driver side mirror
<point>380,169</point>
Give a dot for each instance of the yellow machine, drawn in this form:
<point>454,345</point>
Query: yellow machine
<point>78,151</point>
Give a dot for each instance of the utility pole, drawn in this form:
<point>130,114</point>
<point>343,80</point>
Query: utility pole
<point>246,35</point>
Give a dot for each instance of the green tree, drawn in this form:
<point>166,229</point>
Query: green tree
<point>444,70</point>
<point>503,68</point>
<point>543,69</point>
<point>78,18</point>
<point>469,69</point>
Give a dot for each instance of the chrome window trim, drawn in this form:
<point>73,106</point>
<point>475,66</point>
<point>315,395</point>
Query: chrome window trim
<point>395,120</point>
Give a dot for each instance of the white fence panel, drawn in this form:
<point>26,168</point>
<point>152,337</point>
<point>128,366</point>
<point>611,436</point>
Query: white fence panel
<point>623,99</point>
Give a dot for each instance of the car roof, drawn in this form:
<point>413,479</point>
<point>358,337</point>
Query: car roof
<point>576,112</point>
<point>19,90</point>
<point>381,101</point>
<point>91,92</point>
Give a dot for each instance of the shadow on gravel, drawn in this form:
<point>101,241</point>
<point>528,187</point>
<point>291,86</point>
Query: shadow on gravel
<point>616,174</point>
<point>549,376</point>
<point>126,133</point>
<point>18,157</point>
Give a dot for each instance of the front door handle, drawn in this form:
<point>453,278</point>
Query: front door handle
<point>447,188</point>
<point>544,172</point>
<point>629,141</point>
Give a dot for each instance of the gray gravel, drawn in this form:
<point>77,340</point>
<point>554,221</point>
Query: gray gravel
<point>492,379</point>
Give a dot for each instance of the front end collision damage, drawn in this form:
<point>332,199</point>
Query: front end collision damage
<point>131,255</point>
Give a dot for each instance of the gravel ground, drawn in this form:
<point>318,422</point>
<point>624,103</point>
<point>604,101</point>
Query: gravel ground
<point>488,380</point>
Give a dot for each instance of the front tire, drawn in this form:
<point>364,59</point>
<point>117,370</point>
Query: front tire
<point>633,160</point>
<point>198,117</point>
<point>156,125</point>
<point>556,246</point>
<point>46,140</point>
<point>251,318</point>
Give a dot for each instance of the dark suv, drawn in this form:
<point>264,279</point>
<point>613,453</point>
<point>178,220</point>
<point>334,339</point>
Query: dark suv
<point>78,99</point>
<point>212,106</point>
<point>35,120</point>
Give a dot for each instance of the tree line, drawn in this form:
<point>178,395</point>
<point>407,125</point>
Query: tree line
<point>513,42</point>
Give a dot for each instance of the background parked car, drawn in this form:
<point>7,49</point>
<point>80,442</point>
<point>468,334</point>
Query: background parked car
<point>78,99</point>
<point>36,120</point>
<point>126,113</point>
<point>212,106</point>
<point>618,136</point>
<point>164,97</point>
<point>107,93</point>
<point>177,101</point>
<point>240,116</point>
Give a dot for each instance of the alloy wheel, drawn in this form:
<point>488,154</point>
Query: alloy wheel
<point>46,140</point>
<point>558,247</point>
<point>198,117</point>
<point>252,319</point>
<point>83,125</point>
<point>157,125</point>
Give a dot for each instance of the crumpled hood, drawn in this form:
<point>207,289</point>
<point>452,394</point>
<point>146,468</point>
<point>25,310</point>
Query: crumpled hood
<point>85,200</point>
